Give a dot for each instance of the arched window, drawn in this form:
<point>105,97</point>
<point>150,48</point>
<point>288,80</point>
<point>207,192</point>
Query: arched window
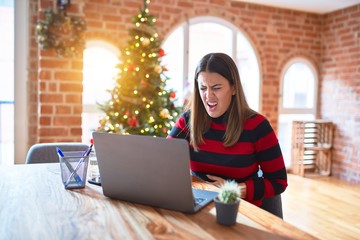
<point>100,59</point>
<point>298,97</point>
<point>189,42</point>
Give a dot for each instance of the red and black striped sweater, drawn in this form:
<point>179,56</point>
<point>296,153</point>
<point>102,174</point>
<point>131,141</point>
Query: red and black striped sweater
<point>257,147</point>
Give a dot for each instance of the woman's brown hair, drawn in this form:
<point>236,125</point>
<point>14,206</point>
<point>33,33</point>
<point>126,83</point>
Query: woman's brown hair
<point>238,111</point>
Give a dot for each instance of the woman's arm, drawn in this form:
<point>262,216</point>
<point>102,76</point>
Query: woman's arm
<point>269,156</point>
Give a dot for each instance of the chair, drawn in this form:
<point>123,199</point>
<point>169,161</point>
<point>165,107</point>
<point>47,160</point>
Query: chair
<point>273,205</point>
<point>46,152</point>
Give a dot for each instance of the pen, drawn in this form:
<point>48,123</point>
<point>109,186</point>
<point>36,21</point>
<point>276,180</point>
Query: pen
<point>61,154</point>
<point>86,154</point>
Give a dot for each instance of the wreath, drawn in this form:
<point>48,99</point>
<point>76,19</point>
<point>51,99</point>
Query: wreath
<point>60,32</point>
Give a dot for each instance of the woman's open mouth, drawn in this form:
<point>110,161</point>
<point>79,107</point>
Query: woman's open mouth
<point>212,105</point>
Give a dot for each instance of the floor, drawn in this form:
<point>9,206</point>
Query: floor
<point>325,207</point>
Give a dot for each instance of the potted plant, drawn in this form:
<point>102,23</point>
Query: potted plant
<point>227,203</point>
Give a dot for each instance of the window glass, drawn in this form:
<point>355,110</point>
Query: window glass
<point>249,70</point>
<point>298,87</point>
<point>99,71</point>
<point>7,82</point>
<point>7,53</point>
<point>205,38</point>
<point>174,61</point>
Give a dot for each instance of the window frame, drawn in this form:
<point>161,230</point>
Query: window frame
<point>21,62</point>
<point>311,66</point>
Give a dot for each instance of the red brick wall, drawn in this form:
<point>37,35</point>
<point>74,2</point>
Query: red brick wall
<point>340,89</point>
<point>277,35</point>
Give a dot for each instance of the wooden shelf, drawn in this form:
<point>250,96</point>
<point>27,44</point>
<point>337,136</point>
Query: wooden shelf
<point>311,147</point>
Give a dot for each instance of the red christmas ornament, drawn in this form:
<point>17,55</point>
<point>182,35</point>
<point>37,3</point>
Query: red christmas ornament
<point>144,84</point>
<point>161,52</point>
<point>172,95</point>
<point>133,122</point>
<point>164,130</point>
<point>131,67</point>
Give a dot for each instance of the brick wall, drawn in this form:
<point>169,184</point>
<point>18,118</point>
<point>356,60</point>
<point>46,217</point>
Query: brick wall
<point>277,35</point>
<point>340,89</point>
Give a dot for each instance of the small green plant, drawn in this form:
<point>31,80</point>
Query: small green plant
<point>229,192</point>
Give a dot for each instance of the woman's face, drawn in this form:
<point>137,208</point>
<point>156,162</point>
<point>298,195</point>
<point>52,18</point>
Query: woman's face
<point>216,93</point>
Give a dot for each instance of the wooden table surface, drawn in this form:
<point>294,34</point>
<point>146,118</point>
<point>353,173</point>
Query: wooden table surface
<point>35,205</point>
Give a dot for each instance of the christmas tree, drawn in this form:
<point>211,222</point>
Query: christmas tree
<point>140,102</point>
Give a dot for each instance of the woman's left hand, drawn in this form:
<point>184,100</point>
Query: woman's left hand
<point>218,181</point>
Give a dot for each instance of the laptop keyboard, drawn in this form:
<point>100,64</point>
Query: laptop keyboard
<point>199,200</point>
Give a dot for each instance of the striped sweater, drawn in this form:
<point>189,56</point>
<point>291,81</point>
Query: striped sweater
<point>256,148</point>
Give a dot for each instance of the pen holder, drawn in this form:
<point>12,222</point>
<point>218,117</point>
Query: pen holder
<point>73,167</point>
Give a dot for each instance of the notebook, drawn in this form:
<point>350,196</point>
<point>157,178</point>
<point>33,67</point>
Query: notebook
<point>148,170</point>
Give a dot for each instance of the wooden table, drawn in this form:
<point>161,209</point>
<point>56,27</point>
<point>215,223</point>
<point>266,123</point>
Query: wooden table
<point>35,205</point>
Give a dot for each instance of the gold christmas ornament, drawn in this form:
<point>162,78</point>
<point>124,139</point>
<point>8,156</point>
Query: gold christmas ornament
<point>146,42</point>
<point>158,69</point>
<point>164,113</point>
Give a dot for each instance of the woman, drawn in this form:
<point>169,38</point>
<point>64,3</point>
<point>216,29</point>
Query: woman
<point>228,140</point>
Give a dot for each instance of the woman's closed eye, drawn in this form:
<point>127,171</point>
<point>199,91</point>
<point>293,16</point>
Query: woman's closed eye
<point>214,88</point>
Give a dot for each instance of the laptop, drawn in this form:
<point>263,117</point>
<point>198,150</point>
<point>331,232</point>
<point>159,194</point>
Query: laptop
<point>148,170</point>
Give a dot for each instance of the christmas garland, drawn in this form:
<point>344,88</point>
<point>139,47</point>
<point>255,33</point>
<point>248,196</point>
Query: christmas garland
<point>62,33</point>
